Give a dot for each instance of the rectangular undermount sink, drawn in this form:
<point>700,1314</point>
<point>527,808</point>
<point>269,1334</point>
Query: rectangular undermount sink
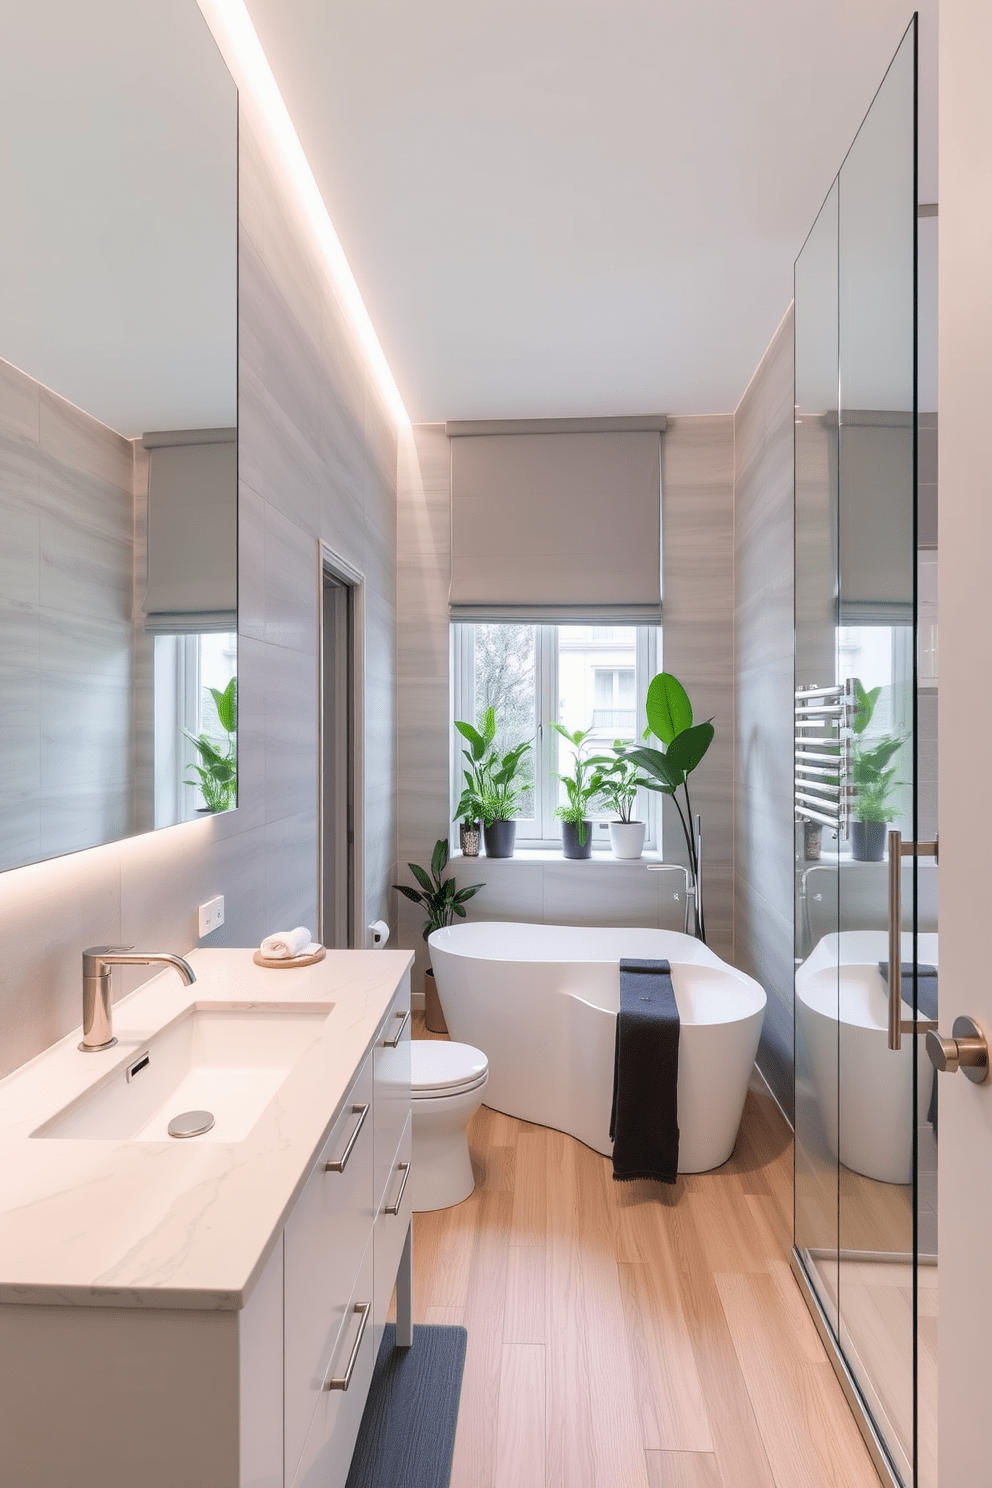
<point>228,1061</point>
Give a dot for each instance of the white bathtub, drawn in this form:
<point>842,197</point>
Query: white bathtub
<point>541,1001</point>
<point>840,984</point>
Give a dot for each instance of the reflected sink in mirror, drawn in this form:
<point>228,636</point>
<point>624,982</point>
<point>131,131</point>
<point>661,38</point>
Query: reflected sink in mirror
<point>230,1061</point>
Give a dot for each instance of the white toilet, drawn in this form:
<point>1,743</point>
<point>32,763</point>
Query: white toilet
<point>448,1082</point>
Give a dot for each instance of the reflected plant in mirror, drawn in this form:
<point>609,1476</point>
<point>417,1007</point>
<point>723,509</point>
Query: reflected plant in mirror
<point>876,788</point>
<point>217,771</point>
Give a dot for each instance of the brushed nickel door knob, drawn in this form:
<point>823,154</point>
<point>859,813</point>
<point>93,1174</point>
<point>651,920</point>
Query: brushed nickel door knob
<point>966,1050</point>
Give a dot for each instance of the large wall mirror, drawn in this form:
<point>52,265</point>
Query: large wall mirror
<point>118,423</point>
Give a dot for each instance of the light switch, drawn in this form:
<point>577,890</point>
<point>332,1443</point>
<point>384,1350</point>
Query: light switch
<point>211,915</point>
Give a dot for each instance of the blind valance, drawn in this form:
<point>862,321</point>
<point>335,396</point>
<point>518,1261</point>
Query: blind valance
<point>556,525</point>
<point>192,582</point>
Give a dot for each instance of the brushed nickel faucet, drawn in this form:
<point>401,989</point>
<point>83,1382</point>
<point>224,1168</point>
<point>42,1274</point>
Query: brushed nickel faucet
<point>98,1032</point>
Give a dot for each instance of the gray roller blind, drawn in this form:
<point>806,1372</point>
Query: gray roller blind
<point>192,582</point>
<point>877,555</point>
<point>564,525</point>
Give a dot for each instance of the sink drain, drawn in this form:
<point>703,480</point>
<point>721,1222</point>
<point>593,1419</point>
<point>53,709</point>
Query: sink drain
<point>191,1124</point>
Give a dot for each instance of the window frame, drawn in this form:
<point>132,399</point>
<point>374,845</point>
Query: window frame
<point>544,831</point>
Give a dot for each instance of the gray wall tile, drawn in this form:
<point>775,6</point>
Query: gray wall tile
<point>764,635</point>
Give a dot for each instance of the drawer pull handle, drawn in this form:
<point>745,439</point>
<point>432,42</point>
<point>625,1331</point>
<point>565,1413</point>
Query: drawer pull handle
<point>404,1168</point>
<point>342,1381</point>
<point>338,1164</point>
<point>393,1042</point>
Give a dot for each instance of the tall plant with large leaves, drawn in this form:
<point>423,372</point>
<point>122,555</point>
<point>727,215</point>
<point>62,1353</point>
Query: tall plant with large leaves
<point>667,770</point>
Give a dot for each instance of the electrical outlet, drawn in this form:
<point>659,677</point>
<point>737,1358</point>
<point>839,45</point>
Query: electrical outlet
<point>211,915</point>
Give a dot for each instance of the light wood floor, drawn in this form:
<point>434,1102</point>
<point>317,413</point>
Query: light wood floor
<point>632,1335</point>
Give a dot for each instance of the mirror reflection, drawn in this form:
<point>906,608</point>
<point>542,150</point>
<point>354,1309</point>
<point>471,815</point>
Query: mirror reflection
<point>118,424</point>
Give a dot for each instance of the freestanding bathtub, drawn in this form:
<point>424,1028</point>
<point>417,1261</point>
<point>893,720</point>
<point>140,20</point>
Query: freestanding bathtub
<point>863,1089</point>
<point>541,1001</point>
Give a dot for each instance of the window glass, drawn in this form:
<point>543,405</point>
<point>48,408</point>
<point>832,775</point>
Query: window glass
<point>505,670</point>
<point>591,677</point>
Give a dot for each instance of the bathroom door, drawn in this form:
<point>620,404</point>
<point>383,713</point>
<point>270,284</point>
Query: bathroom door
<point>865,1126</point>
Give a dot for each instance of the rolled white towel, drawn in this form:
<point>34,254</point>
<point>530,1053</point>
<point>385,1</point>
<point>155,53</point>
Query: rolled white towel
<point>285,944</point>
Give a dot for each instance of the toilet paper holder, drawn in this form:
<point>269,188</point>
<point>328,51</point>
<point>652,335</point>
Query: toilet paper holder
<point>378,934</point>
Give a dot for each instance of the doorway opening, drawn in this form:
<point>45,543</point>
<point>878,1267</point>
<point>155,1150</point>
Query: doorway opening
<point>339,828</point>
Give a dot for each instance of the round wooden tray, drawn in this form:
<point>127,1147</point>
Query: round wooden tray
<point>282,963</point>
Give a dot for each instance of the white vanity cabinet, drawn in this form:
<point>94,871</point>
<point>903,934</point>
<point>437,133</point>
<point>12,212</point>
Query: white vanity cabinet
<point>206,1393</point>
<point>337,1413</point>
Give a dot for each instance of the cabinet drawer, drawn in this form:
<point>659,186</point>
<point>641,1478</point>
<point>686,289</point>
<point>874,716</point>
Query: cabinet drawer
<point>390,1230</point>
<point>338,1412</point>
<point>391,1092</point>
<point>325,1238</point>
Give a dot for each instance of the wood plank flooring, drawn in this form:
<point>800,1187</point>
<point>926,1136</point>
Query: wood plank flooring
<point>632,1335</point>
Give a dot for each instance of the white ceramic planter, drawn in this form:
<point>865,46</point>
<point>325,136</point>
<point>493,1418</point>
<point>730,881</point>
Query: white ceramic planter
<point>627,839</point>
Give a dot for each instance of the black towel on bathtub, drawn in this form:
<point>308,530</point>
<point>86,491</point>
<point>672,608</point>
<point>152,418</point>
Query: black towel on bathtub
<point>926,1006</point>
<point>644,1122</point>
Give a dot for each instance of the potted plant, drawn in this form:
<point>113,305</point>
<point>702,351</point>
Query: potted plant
<point>468,812</point>
<point>670,720</point>
<point>493,785</point>
<point>581,788</point>
<point>619,784</point>
<point>443,901</point>
<point>218,767</point>
<point>873,778</point>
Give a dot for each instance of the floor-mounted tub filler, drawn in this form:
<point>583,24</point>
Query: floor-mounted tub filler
<point>542,1000</point>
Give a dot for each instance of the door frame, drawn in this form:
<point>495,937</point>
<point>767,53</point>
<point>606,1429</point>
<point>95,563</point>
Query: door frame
<point>332,565</point>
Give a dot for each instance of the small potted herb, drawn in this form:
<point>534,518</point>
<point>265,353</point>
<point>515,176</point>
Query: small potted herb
<point>443,901</point>
<point>218,767</point>
<point>581,788</point>
<point>873,778</point>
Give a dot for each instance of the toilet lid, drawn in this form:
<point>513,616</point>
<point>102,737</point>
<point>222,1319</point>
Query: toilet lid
<point>440,1068</point>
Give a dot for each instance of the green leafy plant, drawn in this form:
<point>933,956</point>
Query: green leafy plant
<point>218,767</point>
<point>440,897</point>
<point>620,782</point>
<point>670,720</point>
<point>493,780</point>
<point>583,786</point>
<point>872,776</point>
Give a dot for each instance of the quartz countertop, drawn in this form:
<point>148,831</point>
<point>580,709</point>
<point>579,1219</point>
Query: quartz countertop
<point>177,1224</point>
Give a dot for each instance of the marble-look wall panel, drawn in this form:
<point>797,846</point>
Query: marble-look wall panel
<point>764,838</point>
<point>317,458</point>
<point>697,483</point>
<point>67,668</point>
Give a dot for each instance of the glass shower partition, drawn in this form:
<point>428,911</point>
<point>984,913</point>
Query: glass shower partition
<point>865,1125</point>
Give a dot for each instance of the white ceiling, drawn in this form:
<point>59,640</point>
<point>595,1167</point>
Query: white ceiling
<point>591,208</point>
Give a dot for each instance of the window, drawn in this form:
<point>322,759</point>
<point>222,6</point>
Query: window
<point>186,668</point>
<point>583,676</point>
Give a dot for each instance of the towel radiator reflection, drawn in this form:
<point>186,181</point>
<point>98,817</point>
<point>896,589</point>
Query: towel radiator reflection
<point>823,736</point>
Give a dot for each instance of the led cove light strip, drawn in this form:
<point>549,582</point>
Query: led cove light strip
<point>242,51</point>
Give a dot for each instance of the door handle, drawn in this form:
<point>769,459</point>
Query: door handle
<point>966,1050</point>
<point>897,851</point>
